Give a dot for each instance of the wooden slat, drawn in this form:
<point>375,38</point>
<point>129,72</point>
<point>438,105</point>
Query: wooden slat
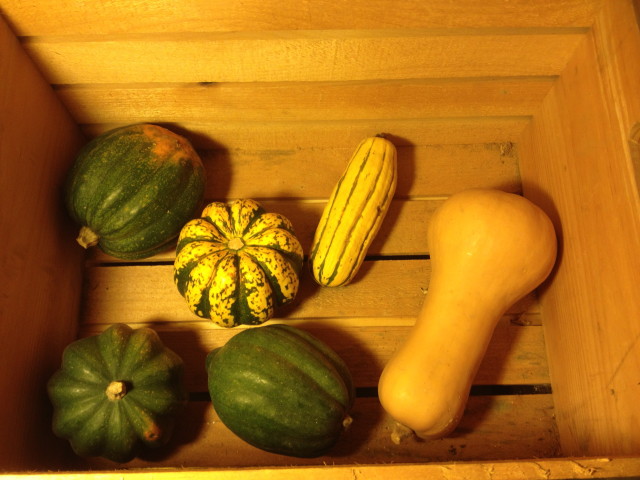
<point>301,55</point>
<point>270,135</point>
<point>519,469</point>
<point>146,293</point>
<point>64,17</point>
<point>492,428</point>
<point>431,171</point>
<point>402,233</point>
<point>306,101</point>
<point>576,164</point>
<point>515,356</point>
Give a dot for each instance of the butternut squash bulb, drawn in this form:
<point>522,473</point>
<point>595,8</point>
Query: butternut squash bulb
<point>488,249</point>
<point>354,212</point>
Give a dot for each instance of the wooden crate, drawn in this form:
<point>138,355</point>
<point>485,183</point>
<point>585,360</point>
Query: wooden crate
<point>540,98</point>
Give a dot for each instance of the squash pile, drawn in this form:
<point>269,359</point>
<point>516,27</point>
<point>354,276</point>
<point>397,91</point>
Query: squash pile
<point>135,191</point>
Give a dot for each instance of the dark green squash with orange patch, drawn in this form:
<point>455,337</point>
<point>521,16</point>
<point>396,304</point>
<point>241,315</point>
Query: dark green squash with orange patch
<point>133,188</point>
<point>116,393</point>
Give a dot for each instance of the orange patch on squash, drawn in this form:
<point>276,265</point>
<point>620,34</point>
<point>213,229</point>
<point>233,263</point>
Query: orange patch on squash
<point>167,143</point>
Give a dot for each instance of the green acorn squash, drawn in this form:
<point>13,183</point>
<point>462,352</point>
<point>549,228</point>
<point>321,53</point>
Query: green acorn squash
<point>281,389</point>
<point>237,263</point>
<point>133,188</point>
<point>116,393</point>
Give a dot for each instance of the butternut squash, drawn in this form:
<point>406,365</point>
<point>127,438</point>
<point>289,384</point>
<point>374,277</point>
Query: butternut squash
<point>488,249</point>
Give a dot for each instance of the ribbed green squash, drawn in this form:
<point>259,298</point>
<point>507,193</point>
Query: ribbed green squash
<point>117,392</point>
<point>237,263</point>
<point>133,188</point>
<point>281,389</point>
<point>355,210</point>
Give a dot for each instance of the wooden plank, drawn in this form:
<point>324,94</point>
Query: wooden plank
<point>515,356</point>
<point>304,101</point>
<point>38,140</point>
<point>429,171</point>
<point>67,17</point>
<point>492,428</point>
<point>576,165</point>
<point>403,232</point>
<point>271,135</point>
<point>301,55</point>
<point>525,469</point>
<point>146,293</point>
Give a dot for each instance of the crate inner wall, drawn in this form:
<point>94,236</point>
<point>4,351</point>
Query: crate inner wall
<point>474,118</point>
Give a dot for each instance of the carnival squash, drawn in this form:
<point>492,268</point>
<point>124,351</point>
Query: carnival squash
<point>116,393</point>
<point>355,210</point>
<point>237,263</point>
<point>488,249</point>
<point>133,188</point>
<point>281,389</point>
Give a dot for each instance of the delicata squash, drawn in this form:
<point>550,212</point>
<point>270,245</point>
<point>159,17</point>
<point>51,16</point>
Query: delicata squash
<point>488,249</point>
<point>354,212</point>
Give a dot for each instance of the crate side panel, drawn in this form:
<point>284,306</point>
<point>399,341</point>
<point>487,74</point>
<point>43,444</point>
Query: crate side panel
<point>40,260</point>
<point>302,55</point>
<point>67,17</point>
<point>574,163</point>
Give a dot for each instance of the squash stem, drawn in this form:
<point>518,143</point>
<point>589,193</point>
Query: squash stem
<point>400,432</point>
<point>116,390</point>
<point>235,243</point>
<point>87,237</point>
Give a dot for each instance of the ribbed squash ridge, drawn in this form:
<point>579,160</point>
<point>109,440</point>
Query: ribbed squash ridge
<point>354,212</point>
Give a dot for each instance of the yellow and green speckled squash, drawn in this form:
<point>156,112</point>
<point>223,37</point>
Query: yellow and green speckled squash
<point>237,263</point>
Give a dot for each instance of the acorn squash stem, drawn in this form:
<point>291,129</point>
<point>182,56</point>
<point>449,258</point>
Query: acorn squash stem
<point>116,390</point>
<point>87,237</point>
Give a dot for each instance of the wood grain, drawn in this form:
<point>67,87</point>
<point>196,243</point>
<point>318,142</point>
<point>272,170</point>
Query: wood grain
<point>38,140</point>
<point>304,101</point>
<point>68,17</point>
<point>146,293</point>
<point>576,164</point>
<point>525,469</point>
<point>301,56</point>
<point>270,135</point>
<point>424,173</point>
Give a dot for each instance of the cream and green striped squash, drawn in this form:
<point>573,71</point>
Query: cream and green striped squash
<point>354,212</point>
<point>237,263</point>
